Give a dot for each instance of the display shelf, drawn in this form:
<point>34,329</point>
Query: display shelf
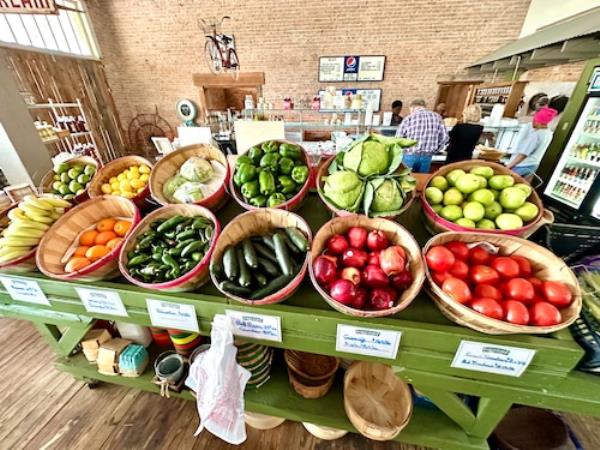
<point>52,105</point>
<point>72,135</point>
<point>593,164</point>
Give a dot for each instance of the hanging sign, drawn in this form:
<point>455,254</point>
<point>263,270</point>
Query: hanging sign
<point>172,315</point>
<point>24,290</point>
<point>28,6</point>
<point>492,358</point>
<point>257,326</point>
<point>351,68</point>
<point>102,301</point>
<point>367,341</point>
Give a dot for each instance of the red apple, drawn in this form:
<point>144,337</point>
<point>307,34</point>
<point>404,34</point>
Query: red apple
<point>374,276</point>
<point>354,257</point>
<point>382,298</point>
<point>377,240</point>
<point>343,291</point>
<point>357,237</point>
<point>325,268</point>
<point>401,280</point>
<point>373,259</point>
<point>337,244</point>
<point>393,260</point>
<point>351,274</point>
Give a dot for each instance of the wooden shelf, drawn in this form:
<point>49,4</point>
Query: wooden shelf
<point>72,135</point>
<point>52,105</point>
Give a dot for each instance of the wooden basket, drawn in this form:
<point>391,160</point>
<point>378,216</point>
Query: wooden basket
<point>545,265</point>
<point>396,234</point>
<point>24,263</point>
<point>262,421</point>
<point>311,366</point>
<point>320,182</point>
<point>59,238</point>
<point>312,390</point>
<point>253,223</point>
<point>293,203</point>
<point>325,433</point>
<point>377,402</point>
<point>190,280</point>
<point>48,179</point>
<point>169,165</point>
<point>115,167</point>
<point>437,224</point>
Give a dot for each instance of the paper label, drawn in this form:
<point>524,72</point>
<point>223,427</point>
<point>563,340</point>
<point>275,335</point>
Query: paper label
<point>101,301</point>
<point>492,358</point>
<point>367,341</point>
<point>257,326</point>
<point>25,290</point>
<point>172,315</point>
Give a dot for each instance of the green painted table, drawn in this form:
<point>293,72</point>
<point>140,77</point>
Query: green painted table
<point>428,344</point>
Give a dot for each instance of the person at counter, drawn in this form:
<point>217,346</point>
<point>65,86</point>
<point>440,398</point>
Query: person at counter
<point>534,143</point>
<point>441,110</point>
<point>464,136</point>
<point>427,128</point>
<point>396,110</point>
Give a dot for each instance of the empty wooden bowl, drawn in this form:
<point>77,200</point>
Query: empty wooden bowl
<point>307,389</point>
<point>311,366</point>
<point>48,179</point>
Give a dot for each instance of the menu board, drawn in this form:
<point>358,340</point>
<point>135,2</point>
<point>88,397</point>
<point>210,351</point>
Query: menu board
<point>368,95</point>
<point>351,68</point>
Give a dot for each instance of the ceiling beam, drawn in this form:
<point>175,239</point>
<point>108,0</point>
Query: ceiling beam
<point>582,45</point>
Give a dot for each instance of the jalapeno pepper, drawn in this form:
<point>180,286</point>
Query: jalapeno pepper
<point>244,159</point>
<point>259,201</point>
<point>290,151</point>
<point>247,172</point>
<point>300,174</point>
<point>250,189</point>
<point>275,199</point>
<point>255,153</point>
<point>269,161</point>
<point>266,182</point>
<point>287,184</point>
<point>285,165</point>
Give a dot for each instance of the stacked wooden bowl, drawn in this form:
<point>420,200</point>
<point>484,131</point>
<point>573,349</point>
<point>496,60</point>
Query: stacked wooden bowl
<point>310,375</point>
<point>257,359</point>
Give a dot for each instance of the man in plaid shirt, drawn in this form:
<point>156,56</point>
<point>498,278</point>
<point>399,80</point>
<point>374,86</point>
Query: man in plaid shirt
<point>427,128</point>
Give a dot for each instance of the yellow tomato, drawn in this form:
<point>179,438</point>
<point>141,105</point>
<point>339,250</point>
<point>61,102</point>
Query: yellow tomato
<point>113,180</point>
<point>144,177</point>
<point>116,192</point>
<point>136,183</point>
<point>140,190</point>
<point>122,176</point>
<point>106,188</point>
<point>125,186</point>
<point>115,186</point>
<point>127,194</point>
<point>144,169</point>
<point>134,169</point>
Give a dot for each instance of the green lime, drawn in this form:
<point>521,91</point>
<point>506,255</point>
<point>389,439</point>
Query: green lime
<point>61,168</point>
<point>57,176</point>
<point>89,170</point>
<point>64,177</point>
<point>74,173</point>
<point>56,185</point>
<point>63,189</point>
<point>83,179</point>
<point>74,186</point>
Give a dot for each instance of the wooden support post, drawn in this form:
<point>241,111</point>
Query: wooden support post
<point>65,342</point>
<point>451,404</point>
<point>489,414</point>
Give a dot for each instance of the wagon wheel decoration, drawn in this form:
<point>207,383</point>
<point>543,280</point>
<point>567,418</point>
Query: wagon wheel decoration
<point>143,128</point>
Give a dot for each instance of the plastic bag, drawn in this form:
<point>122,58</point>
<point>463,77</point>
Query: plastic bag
<point>220,385</point>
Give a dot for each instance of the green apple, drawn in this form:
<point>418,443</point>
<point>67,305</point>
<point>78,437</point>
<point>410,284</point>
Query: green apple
<point>453,197</point>
<point>527,212</point>
<point>486,224</point>
<point>524,187</point>
<point>434,195</point>
<point>482,181</point>
<point>439,182</point>
<point>501,181</point>
<point>60,168</point>
<point>83,179</point>
<point>64,177</point>
<point>496,193</point>
<point>437,208</point>
<point>512,198</point>
<point>467,183</point>
<point>483,196</point>
<point>474,211</point>
<point>483,171</point>
<point>493,210</point>
<point>74,173</point>
<point>74,186</point>
<point>63,189</point>
<point>453,175</point>
<point>451,212</point>
<point>464,222</point>
<point>508,221</point>
<point>89,170</point>
<point>56,185</point>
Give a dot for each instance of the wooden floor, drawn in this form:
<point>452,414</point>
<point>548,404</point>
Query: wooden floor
<point>41,408</point>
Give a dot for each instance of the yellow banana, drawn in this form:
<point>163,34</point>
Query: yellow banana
<point>15,230</point>
<point>31,210</point>
<point>27,222</point>
<point>19,242</point>
<point>17,214</point>
<point>39,218</point>
<point>60,211</point>
<point>14,254</point>
<point>38,203</point>
<point>57,202</point>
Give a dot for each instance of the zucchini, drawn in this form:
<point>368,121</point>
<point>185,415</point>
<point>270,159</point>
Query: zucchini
<point>298,238</point>
<point>290,244</point>
<point>282,254</point>
<point>268,241</point>
<point>233,288</point>
<point>265,252</point>
<point>216,267</point>
<point>274,285</point>
<point>245,278</point>
<point>268,266</point>
<point>260,278</point>
<point>230,263</point>
<point>249,253</point>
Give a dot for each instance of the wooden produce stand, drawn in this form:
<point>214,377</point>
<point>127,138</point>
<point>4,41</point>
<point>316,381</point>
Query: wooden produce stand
<point>427,347</point>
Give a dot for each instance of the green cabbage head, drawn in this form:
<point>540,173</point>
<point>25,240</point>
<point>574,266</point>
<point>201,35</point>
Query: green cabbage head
<point>369,157</point>
<point>387,197</point>
<point>344,189</point>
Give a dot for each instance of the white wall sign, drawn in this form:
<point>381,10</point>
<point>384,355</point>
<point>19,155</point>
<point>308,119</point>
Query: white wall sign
<point>101,301</point>
<point>367,341</point>
<point>331,68</point>
<point>25,290</point>
<point>351,68</point>
<point>492,358</point>
<point>257,326</point>
<point>370,68</point>
<point>172,315</point>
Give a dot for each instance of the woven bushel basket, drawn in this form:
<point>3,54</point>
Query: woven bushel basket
<point>48,179</point>
<point>545,265</point>
<point>397,235</point>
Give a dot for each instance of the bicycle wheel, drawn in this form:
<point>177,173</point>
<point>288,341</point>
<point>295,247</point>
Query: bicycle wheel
<point>213,56</point>
<point>234,63</point>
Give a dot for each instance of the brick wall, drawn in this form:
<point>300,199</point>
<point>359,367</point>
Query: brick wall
<point>151,48</point>
<point>563,72</point>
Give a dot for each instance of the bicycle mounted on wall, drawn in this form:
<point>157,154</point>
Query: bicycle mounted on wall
<point>219,49</point>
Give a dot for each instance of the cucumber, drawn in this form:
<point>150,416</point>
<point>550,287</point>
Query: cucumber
<point>260,278</point>
<point>230,263</point>
<point>234,288</point>
<point>291,245</point>
<point>170,224</point>
<point>264,251</point>
<point>273,286</point>
<point>268,241</point>
<point>298,238</point>
<point>268,266</point>
<point>245,278</point>
<point>249,253</point>
<point>216,267</point>
<point>282,254</point>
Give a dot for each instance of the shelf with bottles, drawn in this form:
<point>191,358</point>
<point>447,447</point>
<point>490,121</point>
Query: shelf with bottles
<point>569,193</point>
<point>588,154</point>
<point>507,94</point>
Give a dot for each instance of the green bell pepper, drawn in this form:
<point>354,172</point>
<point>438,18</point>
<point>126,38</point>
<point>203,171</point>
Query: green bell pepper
<point>287,184</point>
<point>269,147</point>
<point>236,178</point>
<point>269,161</point>
<point>250,189</point>
<point>266,182</point>
<point>275,199</point>
<point>290,151</point>
<point>247,172</point>
<point>258,201</point>
<point>300,174</point>
<point>285,165</point>
<point>255,153</point>
<point>244,159</point>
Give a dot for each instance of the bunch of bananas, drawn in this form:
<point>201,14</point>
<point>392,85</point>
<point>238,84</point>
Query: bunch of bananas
<point>28,223</point>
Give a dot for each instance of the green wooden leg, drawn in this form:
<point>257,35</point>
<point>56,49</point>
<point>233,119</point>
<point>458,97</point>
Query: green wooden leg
<point>451,404</point>
<point>489,413</point>
<point>63,343</point>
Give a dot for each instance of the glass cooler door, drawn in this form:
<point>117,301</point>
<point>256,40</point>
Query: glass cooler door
<point>579,164</point>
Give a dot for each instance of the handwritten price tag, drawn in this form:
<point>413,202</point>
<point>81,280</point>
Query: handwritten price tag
<point>257,326</point>
<point>492,358</point>
<point>25,290</point>
<point>172,315</point>
<point>367,341</point>
<point>101,301</point>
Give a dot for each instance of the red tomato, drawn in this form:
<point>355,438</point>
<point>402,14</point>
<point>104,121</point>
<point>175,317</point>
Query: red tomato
<point>506,267</point>
<point>488,307</point>
<point>459,269</point>
<point>457,289</point>
<point>525,269</point>
<point>537,284</point>
<point>439,258</point>
<point>440,277</point>
<point>544,314</point>
<point>516,312</point>
<point>557,293</point>
<point>488,291</point>
<point>537,298</point>
<point>481,274</point>
<point>460,249</point>
<point>519,289</point>
<point>478,255</point>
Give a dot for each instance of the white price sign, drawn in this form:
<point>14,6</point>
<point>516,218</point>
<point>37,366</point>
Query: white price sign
<point>172,315</point>
<point>101,301</point>
<point>367,341</point>
<point>257,326</point>
<point>492,358</point>
<point>25,290</point>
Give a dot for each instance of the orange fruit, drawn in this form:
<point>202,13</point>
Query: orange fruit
<point>76,263</point>
<point>122,227</point>
<point>104,236</point>
<point>80,251</point>
<point>88,237</point>
<point>113,243</point>
<point>97,252</point>
<point>106,224</point>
